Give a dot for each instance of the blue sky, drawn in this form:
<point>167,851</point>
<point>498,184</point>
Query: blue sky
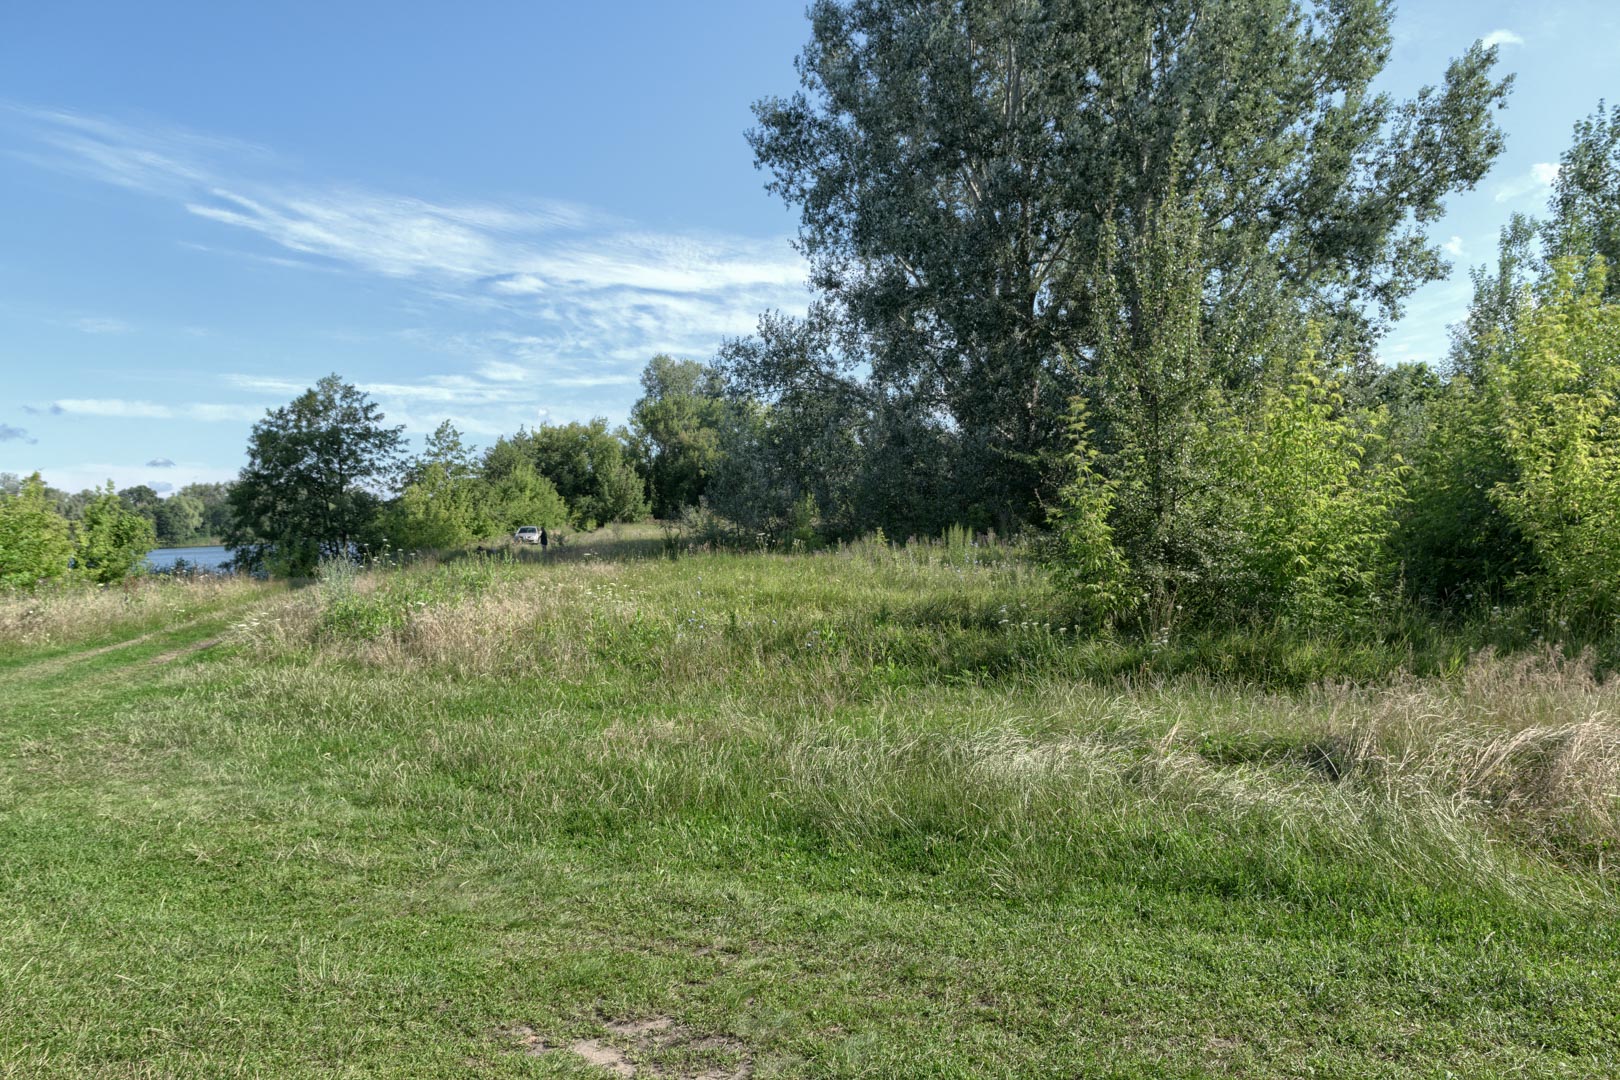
<point>490,212</point>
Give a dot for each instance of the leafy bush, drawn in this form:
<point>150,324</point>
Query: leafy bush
<point>110,540</point>
<point>1310,519</point>
<point>35,544</point>
<point>1555,396</point>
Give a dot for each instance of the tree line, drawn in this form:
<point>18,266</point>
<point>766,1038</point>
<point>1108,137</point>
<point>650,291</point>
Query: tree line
<point>1121,270</point>
<point>327,476</point>
<point>1117,273</point>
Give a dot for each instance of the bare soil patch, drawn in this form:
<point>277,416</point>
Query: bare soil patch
<point>646,1048</point>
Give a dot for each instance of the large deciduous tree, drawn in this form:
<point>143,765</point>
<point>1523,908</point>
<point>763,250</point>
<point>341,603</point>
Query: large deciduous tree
<point>318,469</point>
<point>975,178</point>
<point>1586,195</point>
<point>678,421</point>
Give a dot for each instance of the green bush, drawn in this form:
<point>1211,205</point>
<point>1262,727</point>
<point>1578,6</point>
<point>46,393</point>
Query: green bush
<point>1555,396</point>
<point>110,540</point>
<point>35,544</point>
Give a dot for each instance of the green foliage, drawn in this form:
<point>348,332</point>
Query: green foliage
<point>781,441</point>
<point>588,465</point>
<point>1310,507</point>
<point>975,178</point>
<point>1158,399</point>
<point>1555,396</point>
<point>1586,196</point>
<point>35,544</point>
<point>110,539</point>
<point>178,519</point>
<point>213,499</point>
<point>439,510</point>
<point>140,499</point>
<point>313,482</point>
<point>1088,563</point>
<point>523,497</point>
<point>677,422</point>
<point>1453,543</point>
<point>195,512</point>
<point>1275,504</point>
<point>445,503</point>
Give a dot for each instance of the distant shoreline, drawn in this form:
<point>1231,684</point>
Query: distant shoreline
<point>193,544</point>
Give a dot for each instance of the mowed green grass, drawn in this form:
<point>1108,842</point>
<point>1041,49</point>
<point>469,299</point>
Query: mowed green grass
<point>875,812</point>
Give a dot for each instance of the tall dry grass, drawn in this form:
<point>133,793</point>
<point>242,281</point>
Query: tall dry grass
<point>1009,724</point>
<point>78,613</point>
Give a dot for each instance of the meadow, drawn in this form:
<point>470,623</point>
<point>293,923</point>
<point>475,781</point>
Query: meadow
<point>634,809</point>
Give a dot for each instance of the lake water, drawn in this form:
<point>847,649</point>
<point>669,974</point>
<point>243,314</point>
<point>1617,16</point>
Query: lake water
<point>204,558</point>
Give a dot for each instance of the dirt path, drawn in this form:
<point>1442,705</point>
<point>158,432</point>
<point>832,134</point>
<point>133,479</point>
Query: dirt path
<point>48,668</point>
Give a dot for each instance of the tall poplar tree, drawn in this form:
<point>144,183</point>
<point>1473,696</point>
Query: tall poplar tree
<point>974,177</point>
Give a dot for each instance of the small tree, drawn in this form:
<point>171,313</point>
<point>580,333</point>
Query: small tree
<point>1556,400</point>
<point>110,539</point>
<point>1310,506</point>
<point>445,503</point>
<point>523,497</point>
<point>678,423</point>
<point>317,470</point>
<point>35,544</point>
<point>1088,561</point>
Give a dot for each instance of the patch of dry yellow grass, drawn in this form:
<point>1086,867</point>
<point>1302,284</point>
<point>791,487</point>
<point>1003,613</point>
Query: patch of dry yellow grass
<point>70,614</point>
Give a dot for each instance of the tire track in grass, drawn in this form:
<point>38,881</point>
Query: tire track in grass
<point>170,643</point>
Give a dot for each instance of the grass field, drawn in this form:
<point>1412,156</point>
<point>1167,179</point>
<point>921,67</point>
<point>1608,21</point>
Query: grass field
<point>878,811</point>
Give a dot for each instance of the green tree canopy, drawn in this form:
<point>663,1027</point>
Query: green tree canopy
<point>318,470</point>
<point>523,497</point>
<point>971,174</point>
<point>678,421</point>
<point>589,465</point>
<point>215,503</point>
<point>177,519</point>
<point>445,503</point>
<point>110,539</point>
<point>139,498</point>
<point>35,544</point>
<point>1586,195</point>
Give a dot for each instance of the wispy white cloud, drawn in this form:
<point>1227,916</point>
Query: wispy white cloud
<point>103,326</point>
<point>1453,247</point>
<point>459,390</point>
<point>478,405</point>
<point>623,379</point>
<point>578,299</point>
<point>121,409</point>
<point>503,371</point>
<point>1538,181</point>
<point>1501,37</point>
<point>545,260</point>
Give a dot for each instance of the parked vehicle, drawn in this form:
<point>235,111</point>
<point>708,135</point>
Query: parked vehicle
<point>527,534</point>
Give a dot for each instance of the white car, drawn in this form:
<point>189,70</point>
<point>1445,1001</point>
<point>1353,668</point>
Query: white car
<point>527,534</point>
